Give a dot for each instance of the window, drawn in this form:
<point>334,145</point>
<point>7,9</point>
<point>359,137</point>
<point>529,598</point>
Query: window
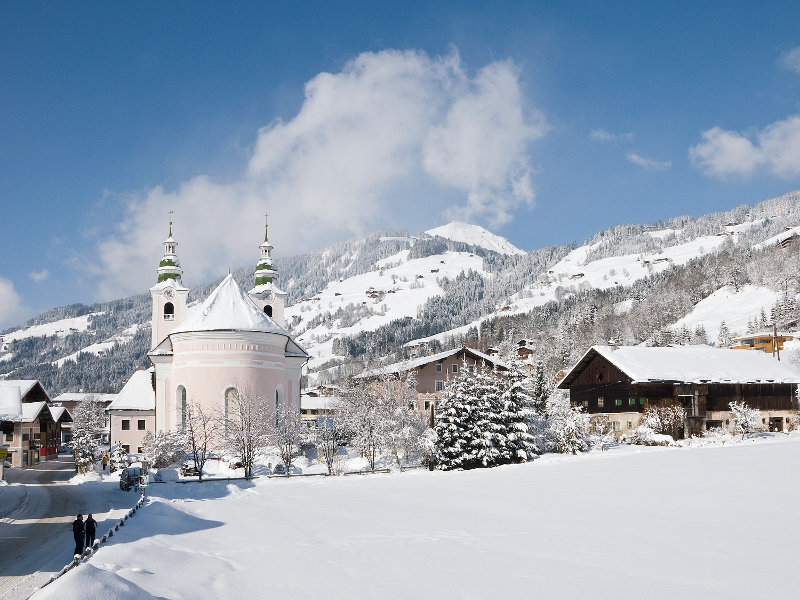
<point>630,424</point>
<point>641,401</point>
<point>471,369</point>
<point>427,404</point>
<point>601,402</point>
<point>613,426</point>
<point>140,425</point>
<point>268,310</point>
<point>139,450</point>
<point>631,401</point>
<point>618,402</point>
<point>10,437</point>
<point>412,405</point>
<point>585,403</point>
<point>126,425</point>
<point>182,406</point>
<point>169,311</point>
<point>126,447</point>
<point>277,406</point>
<point>26,437</point>
<point>439,385</point>
<point>231,396</point>
<point>455,368</point>
<point>439,368</point>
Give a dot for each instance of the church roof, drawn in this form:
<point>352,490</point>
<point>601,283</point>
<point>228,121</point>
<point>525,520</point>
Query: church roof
<point>137,394</point>
<point>227,308</point>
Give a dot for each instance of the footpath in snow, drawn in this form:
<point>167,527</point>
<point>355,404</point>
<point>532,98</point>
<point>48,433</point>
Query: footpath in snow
<point>632,522</point>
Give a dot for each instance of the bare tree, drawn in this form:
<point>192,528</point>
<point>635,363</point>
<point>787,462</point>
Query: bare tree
<point>286,433</point>
<point>200,431</point>
<point>246,426</point>
<point>367,414</point>
<point>327,443</point>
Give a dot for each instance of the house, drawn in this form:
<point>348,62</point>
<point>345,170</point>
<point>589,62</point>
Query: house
<point>318,405</point>
<point>28,427</point>
<point>761,340</point>
<point>621,382</point>
<point>431,372</point>
<point>787,239</point>
<point>132,413</point>
<point>71,400</point>
<point>233,342</point>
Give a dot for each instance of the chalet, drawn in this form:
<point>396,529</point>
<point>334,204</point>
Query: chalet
<point>788,239</point>
<point>433,371</point>
<point>318,405</point>
<point>621,382</point>
<point>761,340</point>
<point>31,434</point>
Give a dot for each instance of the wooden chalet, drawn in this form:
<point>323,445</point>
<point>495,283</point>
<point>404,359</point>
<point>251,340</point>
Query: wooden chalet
<point>621,382</point>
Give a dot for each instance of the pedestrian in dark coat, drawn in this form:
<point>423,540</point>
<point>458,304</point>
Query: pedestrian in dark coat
<point>79,533</point>
<point>91,527</point>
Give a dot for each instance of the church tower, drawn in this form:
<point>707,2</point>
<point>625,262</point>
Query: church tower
<point>168,294</point>
<point>266,294</point>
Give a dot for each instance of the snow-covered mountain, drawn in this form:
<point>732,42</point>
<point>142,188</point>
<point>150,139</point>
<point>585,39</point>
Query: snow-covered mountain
<point>360,301</point>
<point>475,235</point>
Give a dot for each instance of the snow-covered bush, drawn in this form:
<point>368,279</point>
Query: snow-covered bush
<point>567,426</point>
<point>646,436</point>
<point>88,424</point>
<point>746,420</point>
<point>118,458</point>
<point>163,449</point>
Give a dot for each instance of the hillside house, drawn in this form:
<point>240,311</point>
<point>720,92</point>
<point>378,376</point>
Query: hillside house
<point>318,405</point>
<point>762,340</point>
<point>621,382</point>
<point>433,371</point>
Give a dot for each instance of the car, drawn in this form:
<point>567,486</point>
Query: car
<point>189,471</point>
<point>130,478</point>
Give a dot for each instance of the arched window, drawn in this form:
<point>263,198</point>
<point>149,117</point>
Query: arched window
<point>277,406</point>
<point>268,310</point>
<point>169,311</point>
<point>231,398</point>
<point>181,402</point>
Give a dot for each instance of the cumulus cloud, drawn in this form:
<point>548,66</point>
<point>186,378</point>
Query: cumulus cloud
<point>394,136</point>
<point>601,135</point>
<point>649,163</point>
<point>39,275</point>
<point>12,308</point>
<point>791,59</point>
<point>775,149</point>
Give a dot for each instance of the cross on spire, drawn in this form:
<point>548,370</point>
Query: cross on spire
<point>171,212</point>
<point>266,226</point>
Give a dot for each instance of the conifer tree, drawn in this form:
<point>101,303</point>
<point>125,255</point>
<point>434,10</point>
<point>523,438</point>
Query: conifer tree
<point>513,399</point>
<point>454,425</point>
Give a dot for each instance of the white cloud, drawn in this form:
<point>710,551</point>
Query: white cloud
<point>394,137</point>
<point>601,135</point>
<point>775,149</point>
<point>791,59</point>
<point>12,309</point>
<point>649,163</point>
<point>39,275</point>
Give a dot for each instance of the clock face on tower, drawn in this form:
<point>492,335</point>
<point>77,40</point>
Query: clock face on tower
<point>169,294</point>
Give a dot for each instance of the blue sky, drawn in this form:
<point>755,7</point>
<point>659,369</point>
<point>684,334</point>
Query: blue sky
<point>545,122</point>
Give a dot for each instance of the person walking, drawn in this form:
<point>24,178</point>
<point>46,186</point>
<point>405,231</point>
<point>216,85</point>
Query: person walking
<point>91,528</point>
<point>79,533</point>
<point>105,463</point>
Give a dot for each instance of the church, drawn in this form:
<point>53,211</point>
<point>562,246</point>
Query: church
<point>233,342</point>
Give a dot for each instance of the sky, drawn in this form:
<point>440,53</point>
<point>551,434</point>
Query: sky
<point>542,121</point>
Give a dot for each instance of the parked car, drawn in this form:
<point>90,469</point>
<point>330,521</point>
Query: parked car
<point>189,471</point>
<point>129,478</point>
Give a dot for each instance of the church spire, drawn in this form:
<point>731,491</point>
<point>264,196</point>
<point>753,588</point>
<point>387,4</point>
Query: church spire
<point>265,272</point>
<point>170,266</point>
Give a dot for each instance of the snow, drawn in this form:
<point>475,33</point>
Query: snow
<point>61,328</point>
<point>695,364</point>
<point>31,410</point>
<point>778,239</point>
<point>735,308</point>
<point>10,403</point>
<point>228,308</point>
<point>136,394</point>
<point>123,337</point>
<point>612,524</point>
<point>83,397</point>
<point>408,365</point>
<point>475,235</point>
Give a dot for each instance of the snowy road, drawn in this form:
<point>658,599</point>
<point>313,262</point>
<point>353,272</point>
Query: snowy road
<point>36,512</point>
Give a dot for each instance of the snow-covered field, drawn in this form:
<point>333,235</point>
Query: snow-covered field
<point>61,328</point>
<point>709,522</point>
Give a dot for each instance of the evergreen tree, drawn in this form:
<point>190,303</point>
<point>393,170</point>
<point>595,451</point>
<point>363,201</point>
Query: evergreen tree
<point>540,390</point>
<point>513,399</point>
<point>724,337</point>
<point>455,423</point>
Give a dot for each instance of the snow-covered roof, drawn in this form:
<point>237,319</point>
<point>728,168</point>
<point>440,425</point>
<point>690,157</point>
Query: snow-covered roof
<point>10,403</point>
<point>31,410</point>
<point>776,240</point>
<point>475,235</point>
<point>168,283</point>
<point>83,397</point>
<point>24,385</point>
<point>137,394</point>
<point>58,412</point>
<point>267,287</point>
<point>317,402</point>
<point>407,365</point>
<point>227,308</point>
<point>689,364</point>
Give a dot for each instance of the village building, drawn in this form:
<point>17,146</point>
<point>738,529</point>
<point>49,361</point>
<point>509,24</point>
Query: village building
<point>318,405</point>
<point>762,340</point>
<point>232,343</point>
<point>132,413</point>
<point>71,400</point>
<point>29,429</point>
<point>621,382</point>
<point>432,372</point>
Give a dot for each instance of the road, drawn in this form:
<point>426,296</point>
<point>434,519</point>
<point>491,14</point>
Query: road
<point>36,513</point>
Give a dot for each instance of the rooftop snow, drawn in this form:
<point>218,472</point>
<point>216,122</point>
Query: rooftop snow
<point>137,394</point>
<point>83,397</point>
<point>24,385</point>
<point>692,364</point>
<point>407,365</point>
<point>476,235</point>
<point>10,403</point>
<point>31,410</point>
<point>227,308</point>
